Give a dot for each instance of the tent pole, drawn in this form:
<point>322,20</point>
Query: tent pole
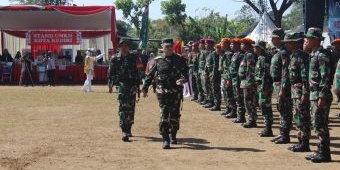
<point>2,40</point>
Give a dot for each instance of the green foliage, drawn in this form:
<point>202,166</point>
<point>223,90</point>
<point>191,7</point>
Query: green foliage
<point>294,18</point>
<point>174,11</point>
<point>133,11</point>
<point>123,28</point>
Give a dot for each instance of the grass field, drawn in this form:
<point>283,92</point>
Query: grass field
<point>43,128</point>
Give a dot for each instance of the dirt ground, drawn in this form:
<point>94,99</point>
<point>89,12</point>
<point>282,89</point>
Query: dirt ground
<point>43,128</point>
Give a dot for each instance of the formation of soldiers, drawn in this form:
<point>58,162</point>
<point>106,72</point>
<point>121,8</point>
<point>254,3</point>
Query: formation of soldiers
<point>296,69</point>
<point>246,73</point>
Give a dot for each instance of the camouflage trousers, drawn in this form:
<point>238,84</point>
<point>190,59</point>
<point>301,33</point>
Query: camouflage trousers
<point>320,120</point>
<point>302,119</point>
<point>216,90</point>
<point>265,103</point>
<point>194,85</point>
<point>207,88</point>
<point>127,103</point>
<point>228,97</point>
<point>199,85</point>
<point>250,103</point>
<point>239,98</point>
<point>284,107</point>
<point>110,81</point>
<point>169,104</point>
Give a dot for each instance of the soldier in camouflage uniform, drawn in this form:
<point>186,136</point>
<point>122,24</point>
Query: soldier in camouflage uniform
<point>264,88</point>
<point>320,93</point>
<point>201,66</point>
<point>193,69</point>
<point>279,74</point>
<point>170,72</point>
<point>209,64</point>
<point>124,75</point>
<point>298,78</point>
<point>215,79</point>
<point>335,59</point>
<point>246,73</point>
<point>227,88</point>
<point>233,70</point>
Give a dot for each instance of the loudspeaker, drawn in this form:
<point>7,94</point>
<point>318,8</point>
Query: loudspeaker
<point>314,13</point>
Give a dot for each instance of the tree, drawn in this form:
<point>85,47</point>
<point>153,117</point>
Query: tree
<point>123,28</point>
<point>42,2</point>
<point>133,11</point>
<point>174,11</point>
<point>294,18</point>
<point>259,6</point>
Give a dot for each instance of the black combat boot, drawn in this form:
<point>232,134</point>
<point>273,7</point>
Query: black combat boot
<point>194,98</point>
<point>173,138</point>
<point>226,111</point>
<point>125,136</point>
<point>250,124</point>
<point>337,115</point>
<point>318,151</point>
<point>231,114</point>
<point>208,105</point>
<point>295,145</point>
<point>204,102</point>
<point>201,99</point>
<point>166,141</point>
<point>240,119</point>
<point>128,131</point>
<point>215,108</point>
<point>324,155</point>
<point>284,138</point>
<point>266,132</point>
<point>276,138</point>
<point>302,147</point>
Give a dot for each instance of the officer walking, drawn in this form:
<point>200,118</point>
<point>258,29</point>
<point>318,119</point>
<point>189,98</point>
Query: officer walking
<point>124,75</point>
<point>170,72</point>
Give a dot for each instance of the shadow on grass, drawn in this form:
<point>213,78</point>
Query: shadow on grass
<point>201,144</point>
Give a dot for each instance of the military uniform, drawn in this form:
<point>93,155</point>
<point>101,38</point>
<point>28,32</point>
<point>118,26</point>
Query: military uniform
<point>201,71</point>
<point>167,70</point>
<point>238,92</point>
<point>320,96</point>
<point>124,75</point>
<point>264,88</point>
<point>215,80</point>
<point>246,73</point>
<point>193,71</point>
<point>209,64</point>
<point>227,90</point>
<point>335,59</point>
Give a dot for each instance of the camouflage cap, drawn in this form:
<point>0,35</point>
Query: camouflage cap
<point>314,33</point>
<point>292,37</point>
<point>278,33</point>
<point>167,42</point>
<point>261,44</point>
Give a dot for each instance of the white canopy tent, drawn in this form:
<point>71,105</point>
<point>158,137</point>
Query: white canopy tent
<point>263,29</point>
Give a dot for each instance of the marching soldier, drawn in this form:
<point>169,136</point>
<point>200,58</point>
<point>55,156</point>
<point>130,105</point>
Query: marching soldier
<point>247,76</point>
<point>124,75</point>
<point>320,93</point>
<point>279,72</point>
<point>264,88</point>
<point>233,70</point>
<point>170,71</point>
<point>227,88</point>
<point>298,78</point>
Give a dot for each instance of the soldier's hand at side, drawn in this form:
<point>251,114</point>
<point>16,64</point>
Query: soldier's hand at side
<point>321,102</point>
<point>281,94</point>
<point>304,98</point>
<point>228,83</point>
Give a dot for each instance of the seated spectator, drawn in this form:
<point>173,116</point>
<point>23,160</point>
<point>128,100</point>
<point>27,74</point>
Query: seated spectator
<point>79,58</point>
<point>18,55</point>
<point>68,56</point>
<point>6,56</point>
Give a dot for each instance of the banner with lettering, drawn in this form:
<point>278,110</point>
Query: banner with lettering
<point>334,19</point>
<point>53,37</point>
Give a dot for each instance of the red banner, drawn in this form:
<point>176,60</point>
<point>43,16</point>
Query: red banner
<point>53,37</point>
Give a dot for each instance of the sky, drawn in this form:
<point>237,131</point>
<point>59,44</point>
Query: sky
<point>193,7</point>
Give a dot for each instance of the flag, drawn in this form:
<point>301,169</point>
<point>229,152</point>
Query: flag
<point>143,35</point>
